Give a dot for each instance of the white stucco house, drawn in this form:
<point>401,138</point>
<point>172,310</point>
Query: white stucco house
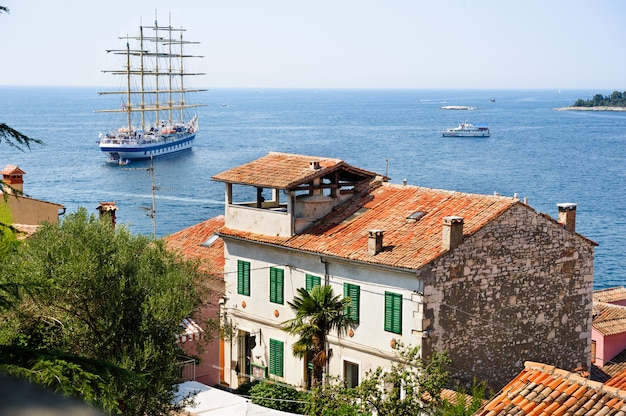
<point>485,277</point>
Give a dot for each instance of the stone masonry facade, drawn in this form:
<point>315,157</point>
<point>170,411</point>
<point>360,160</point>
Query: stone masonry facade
<point>519,289</point>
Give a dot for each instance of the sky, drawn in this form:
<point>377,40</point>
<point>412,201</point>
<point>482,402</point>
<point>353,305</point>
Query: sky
<point>385,44</point>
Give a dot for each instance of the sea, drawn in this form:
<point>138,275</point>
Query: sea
<point>535,152</point>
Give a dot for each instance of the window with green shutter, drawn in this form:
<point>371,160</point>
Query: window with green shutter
<point>277,282</point>
<point>354,293</point>
<point>312,281</point>
<point>393,312</point>
<point>276,357</point>
<point>243,277</point>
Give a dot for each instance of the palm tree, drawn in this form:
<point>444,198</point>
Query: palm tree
<point>318,312</point>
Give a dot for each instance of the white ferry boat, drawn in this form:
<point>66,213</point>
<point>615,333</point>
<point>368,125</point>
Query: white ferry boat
<point>154,101</point>
<point>467,130</point>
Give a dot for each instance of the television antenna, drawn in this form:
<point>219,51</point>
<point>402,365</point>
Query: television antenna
<point>151,210</point>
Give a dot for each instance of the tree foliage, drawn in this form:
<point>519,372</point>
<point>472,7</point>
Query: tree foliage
<point>616,99</point>
<point>411,386</point>
<point>277,396</point>
<point>318,312</point>
<point>102,294</point>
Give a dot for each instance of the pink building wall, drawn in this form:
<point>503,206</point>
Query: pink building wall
<point>208,369</point>
<point>607,347</point>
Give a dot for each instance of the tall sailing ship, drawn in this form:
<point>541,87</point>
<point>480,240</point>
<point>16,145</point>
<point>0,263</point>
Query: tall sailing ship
<point>154,100</point>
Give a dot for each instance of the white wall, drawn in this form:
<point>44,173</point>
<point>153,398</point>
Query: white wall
<point>370,345</point>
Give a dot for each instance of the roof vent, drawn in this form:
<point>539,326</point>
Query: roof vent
<point>452,232</point>
<point>315,165</point>
<point>375,242</point>
<point>567,216</point>
<point>108,208</point>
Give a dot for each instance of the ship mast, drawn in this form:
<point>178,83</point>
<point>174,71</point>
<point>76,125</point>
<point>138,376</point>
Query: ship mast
<point>128,95</point>
<point>156,72</point>
<point>141,79</point>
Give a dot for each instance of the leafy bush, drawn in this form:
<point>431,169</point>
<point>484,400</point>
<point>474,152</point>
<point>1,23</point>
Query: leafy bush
<point>277,396</point>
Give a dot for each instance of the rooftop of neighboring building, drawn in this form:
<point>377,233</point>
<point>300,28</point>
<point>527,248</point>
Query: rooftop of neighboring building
<point>200,243</point>
<point>543,389</point>
<point>610,295</point>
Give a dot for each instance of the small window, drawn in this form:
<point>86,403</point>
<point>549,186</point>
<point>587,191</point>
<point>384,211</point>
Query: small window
<point>276,357</point>
<point>277,280</point>
<point>593,351</point>
<point>312,281</point>
<point>210,241</point>
<point>414,217</point>
<point>351,374</point>
<point>243,277</point>
<point>354,293</point>
<point>393,312</point>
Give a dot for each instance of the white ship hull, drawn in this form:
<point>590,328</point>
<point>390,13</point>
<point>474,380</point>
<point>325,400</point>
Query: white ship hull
<point>467,130</point>
<point>121,150</point>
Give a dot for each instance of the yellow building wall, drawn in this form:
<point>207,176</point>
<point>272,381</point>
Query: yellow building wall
<point>25,210</point>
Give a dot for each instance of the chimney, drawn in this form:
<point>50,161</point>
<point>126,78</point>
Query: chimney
<point>567,216</point>
<point>108,208</point>
<point>315,165</point>
<point>375,242</point>
<point>452,232</point>
<point>12,179</point>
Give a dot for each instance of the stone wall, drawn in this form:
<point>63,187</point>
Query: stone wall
<point>519,289</point>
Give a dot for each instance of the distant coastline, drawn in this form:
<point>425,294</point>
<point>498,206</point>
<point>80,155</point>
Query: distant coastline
<point>598,108</point>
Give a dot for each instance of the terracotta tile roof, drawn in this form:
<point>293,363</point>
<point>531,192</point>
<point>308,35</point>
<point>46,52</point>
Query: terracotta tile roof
<point>284,170</point>
<point>609,319</point>
<point>189,243</point>
<point>618,380</point>
<point>25,230</point>
<point>615,366</point>
<point>610,295</point>
<point>545,390</point>
<point>12,170</point>
<point>383,206</point>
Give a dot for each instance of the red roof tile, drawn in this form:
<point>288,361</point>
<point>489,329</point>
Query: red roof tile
<point>618,380</point>
<point>12,170</point>
<point>383,206</point>
<point>527,394</point>
<point>284,170</point>
<point>189,242</point>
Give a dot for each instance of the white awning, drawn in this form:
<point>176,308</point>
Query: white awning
<point>191,331</point>
<point>209,401</point>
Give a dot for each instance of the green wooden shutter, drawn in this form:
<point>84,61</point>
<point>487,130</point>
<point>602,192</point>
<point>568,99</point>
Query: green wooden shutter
<point>312,281</point>
<point>354,293</point>
<point>393,312</point>
<point>276,357</point>
<point>243,277</point>
<point>277,281</point>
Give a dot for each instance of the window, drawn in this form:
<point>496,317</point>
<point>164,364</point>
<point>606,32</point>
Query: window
<point>277,280</point>
<point>593,351</point>
<point>354,293</point>
<point>351,374</point>
<point>276,357</point>
<point>243,277</point>
<point>393,312</point>
<point>312,281</point>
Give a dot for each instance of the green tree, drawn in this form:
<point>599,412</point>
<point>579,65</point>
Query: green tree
<point>411,386</point>
<point>104,296</point>
<point>318,312</point>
